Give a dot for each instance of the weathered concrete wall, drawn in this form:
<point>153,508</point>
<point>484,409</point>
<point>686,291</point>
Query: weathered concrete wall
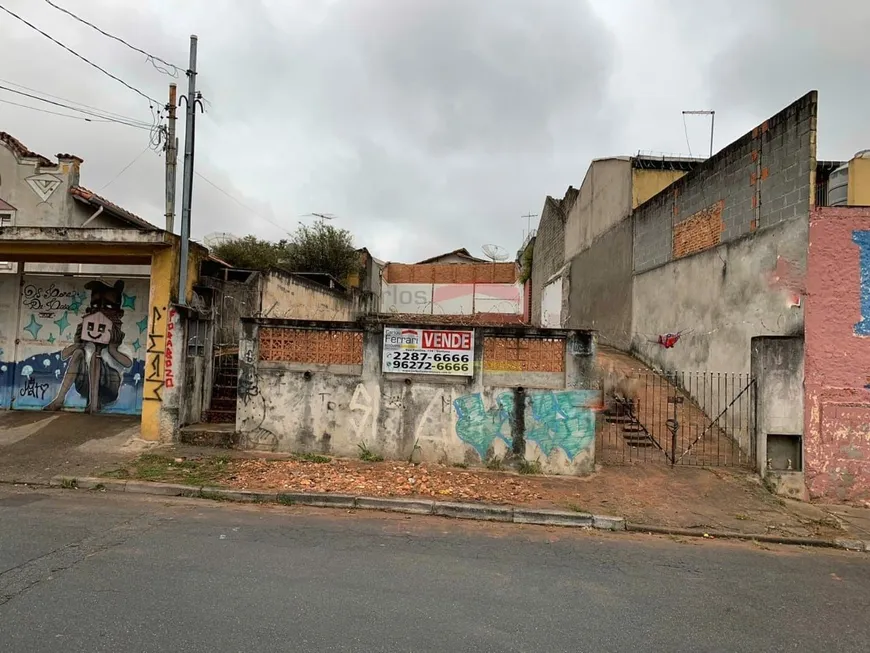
<point>551,304</point>
<point>778,370</point>
<point>837,404</point>
<point>720,255</point>
<point>538,404</point>
<point>453,299</point>
<point>719,299</point>
<point>604,200</point>
<point>549,249</point>
<point>285,295</point>
<point>601,287</point>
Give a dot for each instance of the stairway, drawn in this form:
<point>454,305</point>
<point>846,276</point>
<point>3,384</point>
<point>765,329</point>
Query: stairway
<point>634,433</point>
<point>224,392</point>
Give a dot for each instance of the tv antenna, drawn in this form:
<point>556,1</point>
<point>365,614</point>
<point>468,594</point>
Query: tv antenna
<point>712,115</point>
<point>322,216</point>
<point>495,253</point>
<point>217,238</point>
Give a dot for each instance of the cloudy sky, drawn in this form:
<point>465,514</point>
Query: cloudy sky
<point>424,125</point>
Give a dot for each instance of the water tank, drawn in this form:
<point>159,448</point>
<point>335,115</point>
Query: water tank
<point>838,186</point>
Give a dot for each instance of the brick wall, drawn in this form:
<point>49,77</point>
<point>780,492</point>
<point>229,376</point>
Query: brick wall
<point>837,365</point>
<point>762,179</point>
<point>701,231</point>
<point>451,273</point>
<point>549,254</point>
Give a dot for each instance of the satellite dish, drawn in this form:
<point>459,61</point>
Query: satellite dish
<point>495,253</point>
<point>218,238</point>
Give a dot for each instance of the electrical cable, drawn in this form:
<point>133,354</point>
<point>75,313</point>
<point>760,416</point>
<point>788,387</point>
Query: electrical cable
<point>125,168</point>
<point>54,113</point>
<point>240,203</point>
<point>153,59</point>
<point>76,54</point>
<point>129,122</point>
<point>686,130</point>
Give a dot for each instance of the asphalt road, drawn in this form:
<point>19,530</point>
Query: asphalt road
<point>81,571</point>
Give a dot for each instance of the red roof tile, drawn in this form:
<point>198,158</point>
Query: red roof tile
<point>83,194</point>
<point>18,147</point>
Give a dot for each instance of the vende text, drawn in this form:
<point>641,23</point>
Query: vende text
<point>446,340</point>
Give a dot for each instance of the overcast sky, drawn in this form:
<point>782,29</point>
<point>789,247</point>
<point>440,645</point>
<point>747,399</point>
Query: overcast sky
<point>425,125</point>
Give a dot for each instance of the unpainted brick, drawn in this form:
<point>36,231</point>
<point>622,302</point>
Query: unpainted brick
<point>701,231</point>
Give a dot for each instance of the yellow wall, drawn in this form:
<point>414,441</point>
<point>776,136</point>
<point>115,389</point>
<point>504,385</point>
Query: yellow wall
<point>163,264</point>
<point>646,183</point>
<point>859,182</point>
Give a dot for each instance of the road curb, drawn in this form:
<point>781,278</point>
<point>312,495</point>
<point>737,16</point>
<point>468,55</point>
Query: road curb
<point>848,545</point>
<point>455,510</point>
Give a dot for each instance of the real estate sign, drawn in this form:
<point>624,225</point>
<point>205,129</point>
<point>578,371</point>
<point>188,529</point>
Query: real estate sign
<point>428,351</point>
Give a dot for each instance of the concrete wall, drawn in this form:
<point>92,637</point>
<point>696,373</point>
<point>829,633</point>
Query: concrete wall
<point>545,414</point>
<point>720,299</point>
<point>551,305</point>
<point>601,287</point>
<point>48,362</point>
<point>778,370</point>
<point>549,249</point>
<point>720,255</point>
<point>837,405</point>
<point>284,295</point>
<point>604,199</point>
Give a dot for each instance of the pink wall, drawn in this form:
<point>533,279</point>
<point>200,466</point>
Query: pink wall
<point>837,345</point>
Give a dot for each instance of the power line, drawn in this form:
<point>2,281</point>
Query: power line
<point>110,114</point>
<point>53,113</point>
<point>76,54</point>
<point>130,122</point>
<point>240,203</point>
<point>152,58</point>
<point>125,168</point>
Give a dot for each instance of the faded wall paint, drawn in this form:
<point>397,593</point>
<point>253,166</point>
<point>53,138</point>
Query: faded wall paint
<point>551,305</point>
<point>285,295</point>
<point>837,402</point>
<point>81,344</point>
<point>285,406</point>
<point>647,183</point>
<point>453,299</point>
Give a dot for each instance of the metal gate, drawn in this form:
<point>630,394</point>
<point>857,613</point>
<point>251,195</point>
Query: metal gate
<point>678,418</point>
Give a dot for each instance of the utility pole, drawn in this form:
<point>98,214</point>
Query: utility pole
<point>171,160</point>
<point>187,188</point>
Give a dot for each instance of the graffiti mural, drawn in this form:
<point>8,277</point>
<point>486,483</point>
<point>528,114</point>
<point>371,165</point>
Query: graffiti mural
<point>80,346</point>
<point>862,240</point>
<point>552,420</point>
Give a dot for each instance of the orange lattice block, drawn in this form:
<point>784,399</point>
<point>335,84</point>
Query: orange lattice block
<point>523,354</point>
<point>286,345</point>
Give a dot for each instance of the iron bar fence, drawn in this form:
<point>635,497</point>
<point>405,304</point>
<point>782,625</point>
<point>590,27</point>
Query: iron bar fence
<point>678,418</point>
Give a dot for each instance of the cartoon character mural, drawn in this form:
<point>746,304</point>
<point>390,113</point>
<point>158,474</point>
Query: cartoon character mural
<point>95,365</point>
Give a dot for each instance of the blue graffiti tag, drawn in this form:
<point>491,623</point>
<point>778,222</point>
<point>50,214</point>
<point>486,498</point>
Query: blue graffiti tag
<point>557,420</point>
<point>862,240</point>
<point>562,420</point>
<point>479,427</point>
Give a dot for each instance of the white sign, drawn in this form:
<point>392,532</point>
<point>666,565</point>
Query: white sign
<point>428,351</point>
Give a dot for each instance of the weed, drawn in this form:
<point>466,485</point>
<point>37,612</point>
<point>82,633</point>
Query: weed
<point>69,484</point>
<point>495,463</point>
<point>741,517</point>
<point>530,467</point>
<point>575,508</point>
<point>99,487</point>
<point>154,467</point>
<point>313,458</point>
<point>366,454</point>
<point>285,499</point>
<point>461,465</point>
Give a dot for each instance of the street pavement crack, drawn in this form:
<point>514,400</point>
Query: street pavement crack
<point>19,579</point>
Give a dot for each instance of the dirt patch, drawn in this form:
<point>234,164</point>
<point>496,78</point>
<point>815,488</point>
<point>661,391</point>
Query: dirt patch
<point>651,494</point>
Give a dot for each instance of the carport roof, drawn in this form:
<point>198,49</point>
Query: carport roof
<point>69,245</point>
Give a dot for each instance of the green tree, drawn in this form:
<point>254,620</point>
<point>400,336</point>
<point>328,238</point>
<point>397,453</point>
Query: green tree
<point>316,248</point>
